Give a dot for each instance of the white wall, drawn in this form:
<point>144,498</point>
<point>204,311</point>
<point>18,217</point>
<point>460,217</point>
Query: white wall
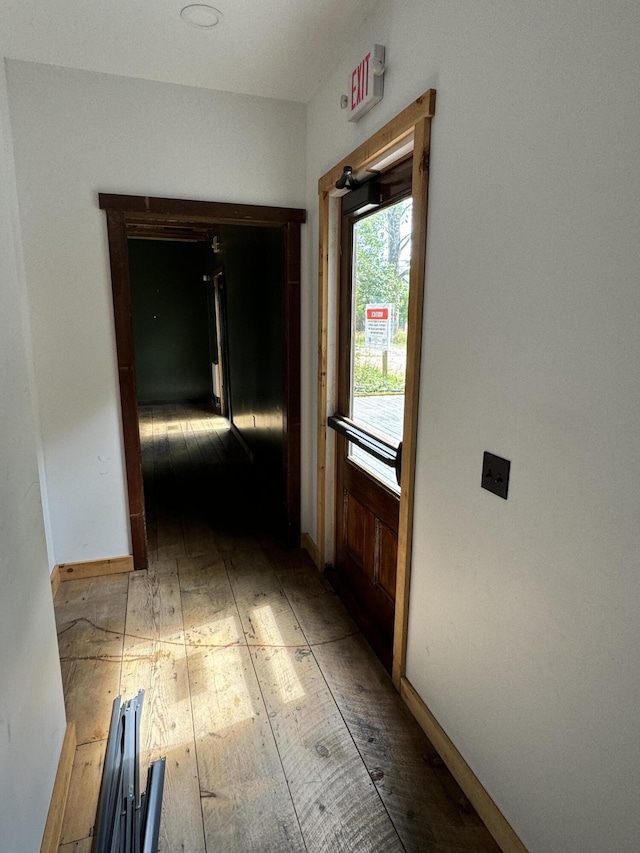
<point>522,627</point>
<point>524,631</point>
<point>32,718</point>
<point>79,133</point>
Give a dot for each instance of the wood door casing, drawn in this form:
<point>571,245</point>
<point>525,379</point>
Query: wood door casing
<point>221,341</point>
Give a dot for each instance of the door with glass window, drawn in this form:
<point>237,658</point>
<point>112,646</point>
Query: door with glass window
<point>372,353</point>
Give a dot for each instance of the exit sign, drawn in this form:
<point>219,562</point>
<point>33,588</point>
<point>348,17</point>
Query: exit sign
<point>366,85</point>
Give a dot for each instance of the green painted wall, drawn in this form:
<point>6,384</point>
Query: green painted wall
<point>169,309</point>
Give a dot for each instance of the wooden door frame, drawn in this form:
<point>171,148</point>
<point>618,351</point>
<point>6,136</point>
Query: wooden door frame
<point>221,339</point>
<point>408,131</point>
<point>127,214</point>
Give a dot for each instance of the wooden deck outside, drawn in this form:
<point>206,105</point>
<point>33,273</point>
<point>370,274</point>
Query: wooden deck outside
<point>282,731</point>
<point>383,413</point>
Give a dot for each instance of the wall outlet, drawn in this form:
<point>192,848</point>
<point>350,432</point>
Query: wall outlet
<point>495,474</point>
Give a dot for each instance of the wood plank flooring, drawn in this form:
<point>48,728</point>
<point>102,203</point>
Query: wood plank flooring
<point>281,729</point>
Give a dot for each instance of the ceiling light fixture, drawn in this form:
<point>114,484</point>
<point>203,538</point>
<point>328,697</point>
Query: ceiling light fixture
<point>200,15</point>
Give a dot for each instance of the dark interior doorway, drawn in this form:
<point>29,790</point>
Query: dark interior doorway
<point>250,253</point>
<point>192,327</point>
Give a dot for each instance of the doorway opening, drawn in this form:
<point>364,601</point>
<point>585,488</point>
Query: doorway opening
<point>237,325</point>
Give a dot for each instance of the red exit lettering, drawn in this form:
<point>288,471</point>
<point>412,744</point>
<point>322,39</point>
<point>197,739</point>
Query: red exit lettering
<point>377,313</point>
<point>360,82</point>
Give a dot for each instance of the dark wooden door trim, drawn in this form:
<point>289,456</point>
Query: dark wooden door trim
<point>221,338</point>
<point>123,214</point>
<point>292,373</point>
<point>117,234</point>
<point>146,208</point>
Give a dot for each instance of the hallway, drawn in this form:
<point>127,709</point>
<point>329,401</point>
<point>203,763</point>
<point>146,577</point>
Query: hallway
<point>282,731</point>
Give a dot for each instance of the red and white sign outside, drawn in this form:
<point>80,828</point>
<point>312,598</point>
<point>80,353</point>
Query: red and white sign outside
<point>378,326</point>
<point>377,313</point>
<point>366,86</point>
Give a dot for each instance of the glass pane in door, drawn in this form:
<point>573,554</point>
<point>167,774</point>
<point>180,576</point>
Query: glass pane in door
<point>381,262</point>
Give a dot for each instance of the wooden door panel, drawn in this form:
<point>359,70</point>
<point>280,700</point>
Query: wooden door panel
<point>371,607</point>
<point>367,547</point>
<point>357,522</point>
<point>381,501</point>
<point>385,559</point>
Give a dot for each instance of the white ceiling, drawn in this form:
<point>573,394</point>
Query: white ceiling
<point>273,48</point>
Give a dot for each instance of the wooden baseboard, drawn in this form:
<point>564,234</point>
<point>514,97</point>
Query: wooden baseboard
<point>53,826</point>
<point>312,550</point>
<point>55,580</point>
<point>488,811</point>
<point>94,568</point>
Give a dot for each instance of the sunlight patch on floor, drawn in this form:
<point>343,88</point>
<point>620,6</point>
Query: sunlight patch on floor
<point>226,685</point>
<point>172,423</point>
<point>268,634</point>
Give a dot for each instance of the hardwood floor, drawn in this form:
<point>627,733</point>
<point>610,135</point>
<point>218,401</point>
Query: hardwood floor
<point>281,729</point>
